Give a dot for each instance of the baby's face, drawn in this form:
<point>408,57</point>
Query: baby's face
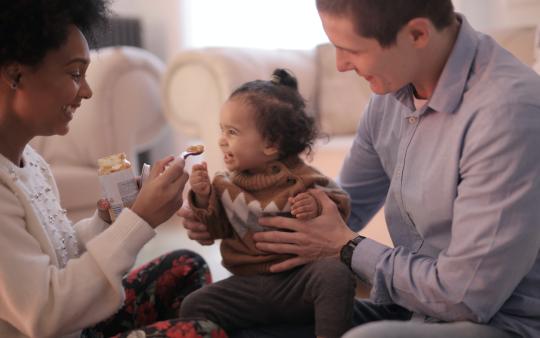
<point>243,147</point>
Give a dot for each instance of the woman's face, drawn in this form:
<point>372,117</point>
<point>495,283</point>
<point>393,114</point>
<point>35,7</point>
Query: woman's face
<point>48,94</point>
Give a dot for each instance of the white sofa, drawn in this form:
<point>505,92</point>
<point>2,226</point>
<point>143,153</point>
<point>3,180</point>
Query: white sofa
<point>124,115</point>
<point>198,81</point>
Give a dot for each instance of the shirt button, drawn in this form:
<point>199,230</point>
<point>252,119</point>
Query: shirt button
<point>412,119</point>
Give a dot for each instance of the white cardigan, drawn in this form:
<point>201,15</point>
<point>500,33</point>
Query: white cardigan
<point>38,298</point>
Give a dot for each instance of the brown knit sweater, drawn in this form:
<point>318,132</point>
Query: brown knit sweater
<point>238,200</point>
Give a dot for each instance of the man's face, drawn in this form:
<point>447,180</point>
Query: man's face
<point>386,69</point>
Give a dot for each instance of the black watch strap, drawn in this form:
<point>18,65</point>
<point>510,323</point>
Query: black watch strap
<point>347,250</point>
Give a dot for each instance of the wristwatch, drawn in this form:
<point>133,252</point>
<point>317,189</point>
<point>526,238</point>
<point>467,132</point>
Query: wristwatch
<point>347,250</point>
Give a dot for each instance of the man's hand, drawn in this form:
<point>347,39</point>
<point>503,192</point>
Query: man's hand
<point>323,236</point>
<point>197,231</point>
<point>304,206</point>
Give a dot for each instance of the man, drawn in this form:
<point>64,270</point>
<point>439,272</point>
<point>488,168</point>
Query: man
<point>448,145</point>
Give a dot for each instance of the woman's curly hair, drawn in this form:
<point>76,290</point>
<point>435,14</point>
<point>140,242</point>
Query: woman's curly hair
<point>31,28</point>
<point>280,112</point>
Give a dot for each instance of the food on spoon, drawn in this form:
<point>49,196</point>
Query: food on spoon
<point>193,150</point>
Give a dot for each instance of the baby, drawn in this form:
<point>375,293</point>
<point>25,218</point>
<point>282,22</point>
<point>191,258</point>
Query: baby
<point>264,129</point>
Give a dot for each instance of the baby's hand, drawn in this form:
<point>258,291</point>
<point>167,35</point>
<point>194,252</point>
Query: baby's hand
<point>304,206</point>
<point>200,181</point>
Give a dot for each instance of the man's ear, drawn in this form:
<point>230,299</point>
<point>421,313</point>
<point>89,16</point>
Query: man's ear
<point>419,31</point>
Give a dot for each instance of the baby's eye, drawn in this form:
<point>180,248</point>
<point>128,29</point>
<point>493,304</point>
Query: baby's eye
<point>231,132</point>
<point>77,75</point>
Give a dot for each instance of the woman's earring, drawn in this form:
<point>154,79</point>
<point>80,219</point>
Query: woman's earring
<point>15,82</point>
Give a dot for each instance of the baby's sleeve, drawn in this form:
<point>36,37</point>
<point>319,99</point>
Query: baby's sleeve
<point>214,216</point>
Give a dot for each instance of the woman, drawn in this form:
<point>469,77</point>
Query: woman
<point>57,279</point>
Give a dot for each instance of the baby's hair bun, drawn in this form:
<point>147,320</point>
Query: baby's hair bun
<point>284,77</point>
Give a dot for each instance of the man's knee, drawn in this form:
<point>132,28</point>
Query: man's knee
<point>378,329</point>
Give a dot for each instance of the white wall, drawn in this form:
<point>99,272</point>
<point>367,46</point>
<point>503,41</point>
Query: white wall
<point>267,24</point>
<point>171,25</point>
<point>492,14</point>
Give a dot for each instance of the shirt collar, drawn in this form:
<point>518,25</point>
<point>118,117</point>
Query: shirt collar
<point>451,85</point>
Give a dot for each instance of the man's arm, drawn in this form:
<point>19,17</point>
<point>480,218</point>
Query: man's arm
<point>363,176</point>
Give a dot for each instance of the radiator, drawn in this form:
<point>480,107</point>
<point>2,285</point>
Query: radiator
<point>118,32</point>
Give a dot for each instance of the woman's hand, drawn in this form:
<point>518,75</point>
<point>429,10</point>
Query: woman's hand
<point>309,240</point>
<point>103,206</point>
<point>197,231</point>
<point>304,206</point>
<point>161,195</point>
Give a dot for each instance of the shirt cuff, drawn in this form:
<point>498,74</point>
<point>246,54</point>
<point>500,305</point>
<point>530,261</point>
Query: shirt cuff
<point>89,228</point>
<point>367,254</point>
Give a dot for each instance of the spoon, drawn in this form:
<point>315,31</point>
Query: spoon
<point>191,150</point>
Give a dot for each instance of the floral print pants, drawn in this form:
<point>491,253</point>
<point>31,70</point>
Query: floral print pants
<point>154,293</point>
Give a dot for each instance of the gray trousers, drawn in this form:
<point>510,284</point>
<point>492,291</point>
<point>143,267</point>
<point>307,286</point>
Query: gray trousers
<point>393,321</point>
<point>383,321</point>
<point>412,329</point>
<point>322,291</point>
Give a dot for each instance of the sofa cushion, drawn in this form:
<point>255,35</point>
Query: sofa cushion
<point>339,110</point>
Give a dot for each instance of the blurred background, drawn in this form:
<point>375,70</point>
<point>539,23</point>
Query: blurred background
<point>169,26</point>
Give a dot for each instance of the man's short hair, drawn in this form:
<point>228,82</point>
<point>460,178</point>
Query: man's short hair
<point>383,19</point>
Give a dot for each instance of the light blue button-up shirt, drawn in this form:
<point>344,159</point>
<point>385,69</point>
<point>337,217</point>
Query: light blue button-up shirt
<point>460,182</point>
